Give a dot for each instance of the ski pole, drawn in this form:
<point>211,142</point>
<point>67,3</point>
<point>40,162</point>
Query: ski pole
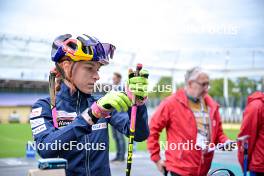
<point>244,140</point>
<point>245,157</point>
<point>132,126</point>
<point>52,93</point>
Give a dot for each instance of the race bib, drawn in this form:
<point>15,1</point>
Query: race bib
<point>201,141</point>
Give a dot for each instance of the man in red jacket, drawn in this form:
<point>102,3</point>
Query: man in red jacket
<point>253,125</point>
<point>192,120</point>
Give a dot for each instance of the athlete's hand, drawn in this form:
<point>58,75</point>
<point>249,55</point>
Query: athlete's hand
<point>138,86</point>
<point>160,165</point>
<point>111,101</point>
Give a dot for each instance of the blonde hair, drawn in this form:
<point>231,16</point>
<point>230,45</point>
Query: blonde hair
<point>61,75</point>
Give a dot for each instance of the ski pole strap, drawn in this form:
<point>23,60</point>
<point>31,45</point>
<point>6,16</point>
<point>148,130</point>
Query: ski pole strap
<point>54,117</point>
<point>98,111</point>
<point>133,118</point>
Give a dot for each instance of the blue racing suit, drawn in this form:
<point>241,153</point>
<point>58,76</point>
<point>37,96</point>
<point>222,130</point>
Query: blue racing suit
<point>86,147</point>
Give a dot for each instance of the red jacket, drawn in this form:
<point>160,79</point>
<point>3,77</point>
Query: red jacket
<point>253,125</point>
<point>179,121</point>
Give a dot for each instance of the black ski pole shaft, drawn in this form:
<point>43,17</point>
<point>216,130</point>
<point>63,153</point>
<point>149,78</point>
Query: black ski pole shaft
<point>132,127</point>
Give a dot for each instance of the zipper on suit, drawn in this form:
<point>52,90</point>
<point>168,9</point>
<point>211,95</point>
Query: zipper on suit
<point>210,124</point>
<point>88,159</point>
<point>78,111</point>
<point>202,155</point>
<point>77,103</point>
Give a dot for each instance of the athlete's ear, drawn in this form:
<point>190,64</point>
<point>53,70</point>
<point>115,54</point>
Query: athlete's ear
<point>66,66</point>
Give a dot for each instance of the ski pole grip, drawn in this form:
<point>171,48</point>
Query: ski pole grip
<point>139,67</point>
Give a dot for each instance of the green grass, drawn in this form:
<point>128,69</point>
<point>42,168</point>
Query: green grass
<point>13,138</point>
<point>231,133</point>
<point>141,146</point>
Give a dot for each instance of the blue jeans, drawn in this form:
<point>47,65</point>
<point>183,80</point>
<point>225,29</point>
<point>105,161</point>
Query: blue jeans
<point>120,144</point>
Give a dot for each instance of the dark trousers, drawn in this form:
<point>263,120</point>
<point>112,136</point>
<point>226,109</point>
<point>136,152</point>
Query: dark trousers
<point>171,173</point>
<point>174,174</point>
<point>259,173</point>
<point>120,144</point>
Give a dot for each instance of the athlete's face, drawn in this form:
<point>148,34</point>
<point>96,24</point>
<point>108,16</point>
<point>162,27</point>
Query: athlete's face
<point>85,74</point>
<point>116,80</point>
<point>199,87</point>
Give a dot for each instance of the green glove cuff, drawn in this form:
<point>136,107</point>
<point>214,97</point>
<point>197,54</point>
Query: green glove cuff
<point>115,100</point>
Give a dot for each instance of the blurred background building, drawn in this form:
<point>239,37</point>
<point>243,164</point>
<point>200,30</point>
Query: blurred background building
<point>167,37</point>
<point>235,73</point>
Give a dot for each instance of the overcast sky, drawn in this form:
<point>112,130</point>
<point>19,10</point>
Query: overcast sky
<point>141,24</point>
<point>147,27</point>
